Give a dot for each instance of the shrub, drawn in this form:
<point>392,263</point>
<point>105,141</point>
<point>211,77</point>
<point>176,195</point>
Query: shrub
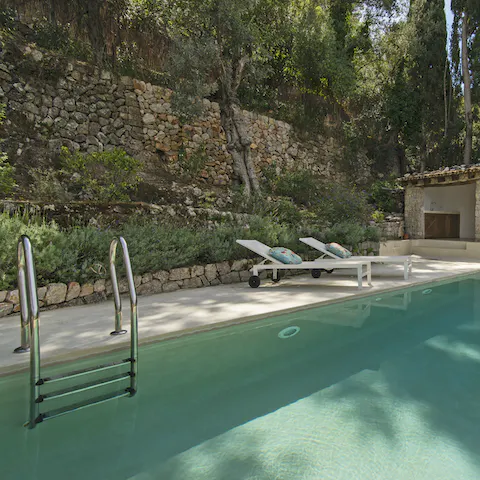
<point>81,253</point>
<point>46,185</point>
<point>7,171</point>
<point>7,181</point>
<point>54,36</point>
<point>382,194</point>
<point>350,234</point>
<point>192,164</point>
<point>102,176</point>
<point>328,202</point>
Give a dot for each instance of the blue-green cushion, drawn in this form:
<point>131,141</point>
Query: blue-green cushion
<point>338,250</point>
<point>285,255</point>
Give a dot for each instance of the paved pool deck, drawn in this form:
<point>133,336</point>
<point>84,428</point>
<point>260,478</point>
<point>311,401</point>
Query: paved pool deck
<point>76,332</point>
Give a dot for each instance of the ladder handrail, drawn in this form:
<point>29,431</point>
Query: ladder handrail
<point>29,308</point>
<point>118,307</point>
<point>131,284</point>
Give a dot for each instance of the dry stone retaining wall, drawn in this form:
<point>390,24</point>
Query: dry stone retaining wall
<point>91,110</point>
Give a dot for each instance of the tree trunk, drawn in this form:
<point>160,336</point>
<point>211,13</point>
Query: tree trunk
<point>93,10</point>
<point>445,97</point>
<point>235,147</point>
<point>238,140</point>
<point>467,94</point>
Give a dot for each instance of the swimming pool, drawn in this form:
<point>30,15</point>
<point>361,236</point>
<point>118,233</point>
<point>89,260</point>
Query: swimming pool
<point>384,387</point>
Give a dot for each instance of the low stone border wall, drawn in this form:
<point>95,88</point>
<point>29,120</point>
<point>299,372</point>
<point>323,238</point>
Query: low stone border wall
<point>57,295</point>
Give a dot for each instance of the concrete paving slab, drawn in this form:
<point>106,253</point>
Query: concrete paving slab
<point>76,332</point>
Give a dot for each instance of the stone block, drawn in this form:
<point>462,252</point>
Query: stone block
<point>148,277</point>
<point>3,296</point>
<point>179,273</point>
<point>194,282</point>
<point>87,289</point>
<point>99,286</point>
<point>204,280</point>
<point>223,268</point>
<point>211,271</point>
<point>198,270</point>
<point>161,275</point>
<point>76,302</point>
<point>94,297</point>
<point>56,293</point>
<point>232,277</point>
<point>148,119</point>
<point>170,287</point>
<point>73,291</point>
<point>137,280</point>
<point>5,309</point>
<point>239,265</point>
<point>41,292</point>
<point>154,286</point>
<point>13,297</point>
<point>108,287</point>
<point>244,275</point>
<point>123,285</point>
<point>215,282</point>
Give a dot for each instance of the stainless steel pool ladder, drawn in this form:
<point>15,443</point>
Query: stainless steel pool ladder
<point>27,286</point>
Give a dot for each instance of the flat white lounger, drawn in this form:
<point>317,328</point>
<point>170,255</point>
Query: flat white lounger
<point>321,247</point>
<point>316,267</point>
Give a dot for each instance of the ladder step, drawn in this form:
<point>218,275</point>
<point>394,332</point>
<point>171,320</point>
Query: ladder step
<point>81,405</point>
<point>83,371</point>
<point>83,387</point>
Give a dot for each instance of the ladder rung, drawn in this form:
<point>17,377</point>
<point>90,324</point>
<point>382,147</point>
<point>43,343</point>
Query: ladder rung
<point>81,405</point>
<point>84,371</point>
<point>84,386</point>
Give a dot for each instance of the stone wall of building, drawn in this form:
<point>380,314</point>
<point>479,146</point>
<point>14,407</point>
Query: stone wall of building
<point>477,211</point>
<point>53,103</point>
<point>414,211</point>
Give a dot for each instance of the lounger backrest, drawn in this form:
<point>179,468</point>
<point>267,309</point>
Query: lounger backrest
<point>259,248</point>
<point>318,245</point>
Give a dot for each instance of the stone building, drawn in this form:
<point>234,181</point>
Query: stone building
<point>443,204</point>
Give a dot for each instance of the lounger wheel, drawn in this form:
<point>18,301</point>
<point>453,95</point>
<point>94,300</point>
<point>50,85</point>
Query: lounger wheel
<point>329,271</point>
<point>316,273</point>
<point>254,281</point>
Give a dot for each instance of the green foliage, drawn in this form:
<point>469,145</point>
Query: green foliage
<point>57,37</point>
<point>382,193</point>
<point>378,216</point>
<point>327,202</point>
<point>7,171</point>
<point>81,253</point>
<point>194,162</point>
<point>45,185</point>
<point>350,234</point>
<point>7,181</point>
<point>189,65</point>
<point>300,185</point>
<point>7,18</point>
<point>101,176</point>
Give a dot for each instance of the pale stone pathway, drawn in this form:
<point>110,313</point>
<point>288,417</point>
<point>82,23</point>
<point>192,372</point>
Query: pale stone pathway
<point>71,333</point>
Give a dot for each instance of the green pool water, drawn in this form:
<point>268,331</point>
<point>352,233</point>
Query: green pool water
<point>386,387</point>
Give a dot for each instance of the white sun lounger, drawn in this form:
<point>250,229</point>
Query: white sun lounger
<point>316,267</point>
<point>321,247</point>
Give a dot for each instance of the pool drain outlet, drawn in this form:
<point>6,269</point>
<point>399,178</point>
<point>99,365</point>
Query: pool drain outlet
<point>288,332</point>
<point>428,291</point>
